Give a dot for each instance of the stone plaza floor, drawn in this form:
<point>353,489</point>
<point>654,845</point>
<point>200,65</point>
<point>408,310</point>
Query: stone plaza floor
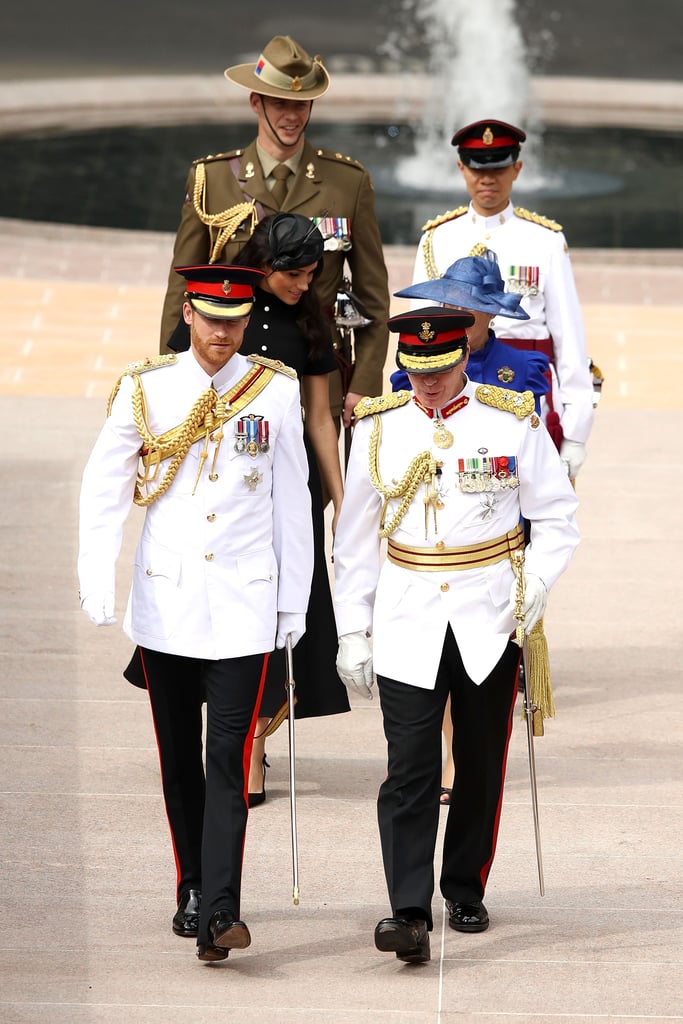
<point>86,863</point>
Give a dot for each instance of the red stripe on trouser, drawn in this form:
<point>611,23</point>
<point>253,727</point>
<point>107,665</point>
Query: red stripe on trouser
<point>487,866</point>
<point>156,737</point>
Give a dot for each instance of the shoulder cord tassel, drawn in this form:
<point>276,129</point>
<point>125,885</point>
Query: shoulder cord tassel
<point>224,223</point>
<point>421,469</point>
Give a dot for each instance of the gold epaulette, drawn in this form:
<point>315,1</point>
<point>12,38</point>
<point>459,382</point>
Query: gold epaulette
<point>328,154</point>
<point>444,217</point>
<point>140,366</point>
<point>521,403</point>
<point>217,156</point>
<point>371,406</point>
<point>537,218</point>
<point>150,363</point>
<point>274,364</point>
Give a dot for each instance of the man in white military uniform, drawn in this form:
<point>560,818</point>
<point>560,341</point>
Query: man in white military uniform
<point>446,475</point>
<point>211,444</point>
<point>534,260</point>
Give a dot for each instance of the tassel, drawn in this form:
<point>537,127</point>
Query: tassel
<point>537,668</point>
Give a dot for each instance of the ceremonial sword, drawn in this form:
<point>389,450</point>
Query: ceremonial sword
<point>529,707</point>
<point>290,686</point>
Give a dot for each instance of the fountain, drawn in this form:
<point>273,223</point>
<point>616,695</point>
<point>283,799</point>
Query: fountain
<point>478,68</point>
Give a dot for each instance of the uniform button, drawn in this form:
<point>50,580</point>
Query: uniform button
<point>440,546</point>
<point>209,557</point>
<point>211,517</point>
<point>264,348</point>
<point>265,327</point>
<point>445,587</point>
<point>149,572</point>
<point>266,309</point>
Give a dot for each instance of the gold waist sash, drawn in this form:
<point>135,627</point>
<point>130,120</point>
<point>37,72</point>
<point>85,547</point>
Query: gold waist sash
<point>467,556</point>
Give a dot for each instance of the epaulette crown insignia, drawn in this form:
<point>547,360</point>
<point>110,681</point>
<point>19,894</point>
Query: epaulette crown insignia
<point>383,403</point>
<point>521,403</point>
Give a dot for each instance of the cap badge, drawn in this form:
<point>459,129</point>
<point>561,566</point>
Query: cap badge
<point>487,137</point>
<point>426,334</point>
<point>296,84</point>
<point>227,288</point>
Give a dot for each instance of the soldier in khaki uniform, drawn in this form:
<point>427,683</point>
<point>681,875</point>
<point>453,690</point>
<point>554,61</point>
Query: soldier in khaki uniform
<point>226,194</point>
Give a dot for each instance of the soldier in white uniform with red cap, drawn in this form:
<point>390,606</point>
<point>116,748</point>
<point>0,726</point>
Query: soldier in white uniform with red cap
<point>445,474</point>
<point>210,442</point>
<point>534,260</point>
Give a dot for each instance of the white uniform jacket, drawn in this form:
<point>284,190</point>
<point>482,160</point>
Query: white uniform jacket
<point>213,567</point>
<point>542,258</point>
<point>408,611</point>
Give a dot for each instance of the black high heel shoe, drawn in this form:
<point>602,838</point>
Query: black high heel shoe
<point>254,799</point>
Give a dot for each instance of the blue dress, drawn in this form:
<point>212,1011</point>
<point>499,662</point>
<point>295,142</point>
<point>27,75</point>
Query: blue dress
<point>498,363</point>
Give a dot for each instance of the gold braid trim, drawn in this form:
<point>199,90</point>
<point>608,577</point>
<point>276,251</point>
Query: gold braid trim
<point>224,223</point>
<point>140,366</point>
<point>537,218</point>
<point>205,420</point>
<point>428,247</point>
<point>521,403</point>
<point>421,470</point>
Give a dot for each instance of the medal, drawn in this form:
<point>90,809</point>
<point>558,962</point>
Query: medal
<point>442,437</point>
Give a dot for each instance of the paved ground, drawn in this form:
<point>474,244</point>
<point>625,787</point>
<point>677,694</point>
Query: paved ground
<point>87,871</point>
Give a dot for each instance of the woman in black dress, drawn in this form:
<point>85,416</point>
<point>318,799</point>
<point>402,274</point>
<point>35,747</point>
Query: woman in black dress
<point>287,323</point>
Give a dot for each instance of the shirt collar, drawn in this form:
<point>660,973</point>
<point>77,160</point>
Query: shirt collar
<point>487,223</point>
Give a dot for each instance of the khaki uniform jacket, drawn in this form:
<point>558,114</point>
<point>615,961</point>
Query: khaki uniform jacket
<point>326,184</point>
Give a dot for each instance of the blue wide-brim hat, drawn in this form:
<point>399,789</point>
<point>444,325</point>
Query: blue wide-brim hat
<point>474,282</point>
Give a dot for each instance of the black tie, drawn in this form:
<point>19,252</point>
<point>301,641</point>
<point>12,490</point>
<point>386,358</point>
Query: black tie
<point>279,190</point>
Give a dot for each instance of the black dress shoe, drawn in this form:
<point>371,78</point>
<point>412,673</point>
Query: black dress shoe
<point>467,917</point>
<point>225,933</point>
<point>186,917</point>
<point>408,939</point>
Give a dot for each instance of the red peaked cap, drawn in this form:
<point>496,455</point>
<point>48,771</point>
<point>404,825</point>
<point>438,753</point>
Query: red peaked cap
<point>430,339</point>
<point>489,144</point>
<point>221,292</point>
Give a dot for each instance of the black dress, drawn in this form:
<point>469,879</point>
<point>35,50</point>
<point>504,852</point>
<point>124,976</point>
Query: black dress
<point>273,332</point>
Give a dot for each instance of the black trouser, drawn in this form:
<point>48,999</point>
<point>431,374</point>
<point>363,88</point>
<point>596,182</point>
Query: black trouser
<point>408,805</point>
<point>207,815</point>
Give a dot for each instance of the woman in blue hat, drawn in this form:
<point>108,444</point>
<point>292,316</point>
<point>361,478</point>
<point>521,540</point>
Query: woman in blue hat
<point>474,283</point>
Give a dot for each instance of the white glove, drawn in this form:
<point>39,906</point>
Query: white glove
<point>354,663</point>
<point>535,600</point>
<point>573,454</point>
<point>99,608</point>
<point>289,622</point>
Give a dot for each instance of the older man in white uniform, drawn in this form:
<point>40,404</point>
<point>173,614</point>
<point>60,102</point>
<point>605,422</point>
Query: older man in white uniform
<point>446,475</point>
<point>211,444</point>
